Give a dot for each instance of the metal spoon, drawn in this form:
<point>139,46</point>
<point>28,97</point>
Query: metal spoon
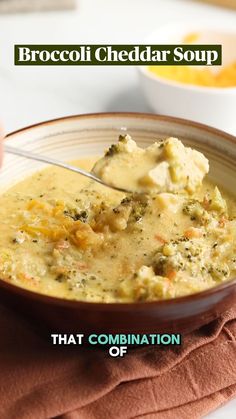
<point>49,160</point>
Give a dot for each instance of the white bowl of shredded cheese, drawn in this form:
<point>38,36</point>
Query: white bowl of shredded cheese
<point>203,94</point>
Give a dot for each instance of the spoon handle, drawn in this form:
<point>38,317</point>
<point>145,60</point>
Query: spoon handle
<point>49,160</point>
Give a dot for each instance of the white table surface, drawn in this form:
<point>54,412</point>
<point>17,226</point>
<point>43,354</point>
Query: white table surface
<point>32,94</point>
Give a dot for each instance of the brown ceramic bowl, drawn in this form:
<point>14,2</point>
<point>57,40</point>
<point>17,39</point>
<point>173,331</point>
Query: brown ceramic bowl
<point>82,135</point>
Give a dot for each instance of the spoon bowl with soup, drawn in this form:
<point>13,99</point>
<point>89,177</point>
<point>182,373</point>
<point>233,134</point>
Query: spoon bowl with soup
<point>76,255</point>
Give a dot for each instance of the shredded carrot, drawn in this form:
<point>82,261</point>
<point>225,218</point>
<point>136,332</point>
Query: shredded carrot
<point>171,275</point>
<point>222,221</point>
<point>28,279</point>
<point>206,202</point>
<point>62,244</point>
<point>82,266</point>
<point>193,233</point>
<point>160,239</point>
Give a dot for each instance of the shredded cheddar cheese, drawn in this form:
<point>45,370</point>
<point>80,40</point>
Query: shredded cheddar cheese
<point>226,77</point>
<point>205,77</point>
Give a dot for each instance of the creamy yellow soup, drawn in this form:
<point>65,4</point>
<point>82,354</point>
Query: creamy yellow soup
<point>66,236</point>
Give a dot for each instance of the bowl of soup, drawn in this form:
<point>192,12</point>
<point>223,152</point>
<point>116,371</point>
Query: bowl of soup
<point>78,256</point>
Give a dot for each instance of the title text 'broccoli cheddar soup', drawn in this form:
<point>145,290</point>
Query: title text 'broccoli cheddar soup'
<point>66,236</point>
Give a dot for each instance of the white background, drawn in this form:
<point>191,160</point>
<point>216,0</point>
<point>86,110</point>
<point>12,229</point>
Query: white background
<point>32,94</point>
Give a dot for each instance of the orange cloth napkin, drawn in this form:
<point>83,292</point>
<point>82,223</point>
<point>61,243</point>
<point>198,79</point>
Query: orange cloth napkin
<point>39,380</point>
